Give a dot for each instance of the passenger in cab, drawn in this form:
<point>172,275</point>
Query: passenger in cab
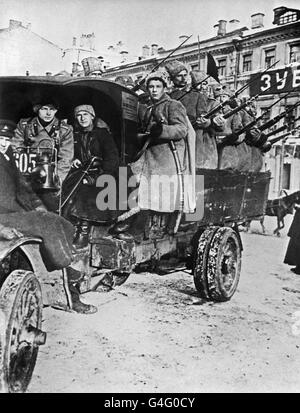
<point>45,125</point>
<point>92,138</point>
<point>23,213</point>
<point>164,121</point>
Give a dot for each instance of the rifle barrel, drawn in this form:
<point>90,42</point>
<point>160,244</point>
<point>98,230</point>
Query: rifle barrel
<point>135,88</point>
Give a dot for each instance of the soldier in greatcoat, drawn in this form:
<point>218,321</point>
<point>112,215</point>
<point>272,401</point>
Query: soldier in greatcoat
<point>233,152</point>
<point>165,121</point>
<point>252,138</point>
<point>197,105</point>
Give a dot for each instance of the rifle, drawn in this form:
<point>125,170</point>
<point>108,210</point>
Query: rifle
<point>141,82</point>
<point>85,170</point>
<point>272,122</point>
<point>281,129</point>
<point>251,124</point>
<point>211,71</point>
<point>284,135</point>
<point>243,105</point>
<point>240,90</point>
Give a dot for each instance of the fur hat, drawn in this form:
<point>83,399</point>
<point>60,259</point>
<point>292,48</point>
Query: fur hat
<point>197,76</point>
<point>7,128</point>
<point>175,67</point>
<point>161,75</point>
<point>91,64</point>
<point>45,100</point>
<point>84,108</point>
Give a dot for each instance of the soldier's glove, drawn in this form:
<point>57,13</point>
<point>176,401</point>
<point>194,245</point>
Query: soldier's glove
<point>266,147</point>
<point>89,180</point>
<point>233,103</point>
<point>156,130</point>
<point>253,136</point>
<point>219,122</point>
<point>202,122</point>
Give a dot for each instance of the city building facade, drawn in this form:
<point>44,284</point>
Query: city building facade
<point>243,56</point>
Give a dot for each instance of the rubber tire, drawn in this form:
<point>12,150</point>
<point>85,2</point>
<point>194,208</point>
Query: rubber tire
<point>217,290</point>
<point>11,295</point>
<point>200,261</point>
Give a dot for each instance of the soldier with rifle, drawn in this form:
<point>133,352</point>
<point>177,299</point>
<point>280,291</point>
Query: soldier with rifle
<point>165,123</point>
<point>233,152</point>
<point>197,105</point>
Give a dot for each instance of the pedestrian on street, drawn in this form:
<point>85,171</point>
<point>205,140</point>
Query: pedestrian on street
<point>292,256</point>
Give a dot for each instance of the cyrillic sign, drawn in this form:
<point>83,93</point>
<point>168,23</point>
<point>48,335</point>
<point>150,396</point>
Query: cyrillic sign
<point>281,80</point>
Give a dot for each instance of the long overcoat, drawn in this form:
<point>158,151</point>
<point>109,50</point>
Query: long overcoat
<point>292,256</point>
<point>198,104</point>
<point>236,156</point>
<point>158,161</point>
<point>256,156</point>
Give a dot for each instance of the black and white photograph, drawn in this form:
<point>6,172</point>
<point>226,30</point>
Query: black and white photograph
<point>149,199</point>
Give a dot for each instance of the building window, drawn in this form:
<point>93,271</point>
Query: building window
<point>295,53</point>
<point>286,176</point>
<point>195,66</point>
<point>247,62</point>
<point>290,117</point>
<point>287,18</point>
<point>222,67</point>
<point>269,57</point>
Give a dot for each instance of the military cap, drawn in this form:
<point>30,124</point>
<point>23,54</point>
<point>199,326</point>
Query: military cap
<point>7,128</point>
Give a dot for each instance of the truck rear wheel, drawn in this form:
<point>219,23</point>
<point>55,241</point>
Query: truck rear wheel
<point>200,261</point>
<point>21,308</point>
<point>223,264</point>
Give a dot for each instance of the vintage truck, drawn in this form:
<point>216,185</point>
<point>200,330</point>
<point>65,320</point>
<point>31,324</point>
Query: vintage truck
<point>210,247</point>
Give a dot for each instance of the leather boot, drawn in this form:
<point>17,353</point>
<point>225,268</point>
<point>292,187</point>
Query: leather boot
<point>74,276</point>
<point>77,305</point>
<point>82,233</point>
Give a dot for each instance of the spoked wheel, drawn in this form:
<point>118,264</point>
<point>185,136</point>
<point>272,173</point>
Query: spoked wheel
<point>200,261</point>
<point>223,264</point>
<point>217,263</point>
<point>21,306</point>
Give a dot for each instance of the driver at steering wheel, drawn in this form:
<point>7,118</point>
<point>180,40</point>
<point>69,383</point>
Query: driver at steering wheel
<point>92,138</point>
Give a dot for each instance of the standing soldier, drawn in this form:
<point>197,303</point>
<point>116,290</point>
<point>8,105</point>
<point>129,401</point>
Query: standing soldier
<point>253,135</point>
<point>45,126</point>
<point>165,121</point>
<point>197,105</point>
<point>234,153</point>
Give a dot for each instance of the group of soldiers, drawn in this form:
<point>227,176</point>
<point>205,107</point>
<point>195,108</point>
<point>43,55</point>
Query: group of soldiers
<point>178,135</point>
<point>26,210</point>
